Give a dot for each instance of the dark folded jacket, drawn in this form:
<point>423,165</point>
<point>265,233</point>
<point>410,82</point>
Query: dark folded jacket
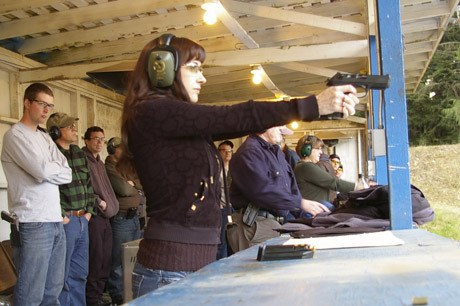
<point>374,202</point>
<point>365,210</point>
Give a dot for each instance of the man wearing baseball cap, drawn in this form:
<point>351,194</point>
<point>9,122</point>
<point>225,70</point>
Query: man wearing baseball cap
<point>77,200</point>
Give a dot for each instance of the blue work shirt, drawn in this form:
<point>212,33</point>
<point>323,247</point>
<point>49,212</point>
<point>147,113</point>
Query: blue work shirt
<point>262,176</point>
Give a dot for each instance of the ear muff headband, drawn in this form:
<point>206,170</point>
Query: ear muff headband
<point>55,132</point>
<point>110,148</point>
<point>163,63</point>
<point>306,150</point>
<point>307,147</point>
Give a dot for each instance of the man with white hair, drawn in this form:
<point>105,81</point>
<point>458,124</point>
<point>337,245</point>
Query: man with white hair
<point>263,191</point>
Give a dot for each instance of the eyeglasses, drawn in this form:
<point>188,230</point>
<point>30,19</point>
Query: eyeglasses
<point>43,104</point>
<point>192,67</point>
<point>98,139</point>
<point>226,151</point>
<point>70,127</point>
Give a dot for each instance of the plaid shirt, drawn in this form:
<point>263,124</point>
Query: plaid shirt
<point>79,193</point>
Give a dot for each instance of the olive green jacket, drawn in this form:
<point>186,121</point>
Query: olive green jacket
<point>128,196</point>
<point>314,182</point>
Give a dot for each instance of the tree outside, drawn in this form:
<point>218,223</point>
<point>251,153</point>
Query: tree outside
<point>434,109</point>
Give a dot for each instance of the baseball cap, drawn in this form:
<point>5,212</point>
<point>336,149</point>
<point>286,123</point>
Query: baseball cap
<point>60,120</point>
<point>226,142</point>
<point>334,156</point>
<point>114,142</point>
<point>285,130</point>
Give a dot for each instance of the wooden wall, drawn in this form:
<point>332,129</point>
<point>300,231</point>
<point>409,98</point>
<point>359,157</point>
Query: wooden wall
<point>91,104</point>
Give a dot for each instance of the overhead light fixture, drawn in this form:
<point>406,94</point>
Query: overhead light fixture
<point>256,74</point>
<point>212,10</point>
<point>294,125</point>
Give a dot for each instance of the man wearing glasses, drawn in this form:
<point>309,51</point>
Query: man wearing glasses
<point>77,201</point>
<point>226,151</point>
<point>34,169</point>
<point>100,230</point>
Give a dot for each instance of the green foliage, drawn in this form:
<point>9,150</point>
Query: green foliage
<point>434,109</point>
<point>446,224</point>
<point>435,172</point>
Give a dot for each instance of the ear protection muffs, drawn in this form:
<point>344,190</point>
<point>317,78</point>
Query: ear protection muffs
<point>55,132</point>
<point>110,148</point>
<point>163,63</point>
<point>307,147</point>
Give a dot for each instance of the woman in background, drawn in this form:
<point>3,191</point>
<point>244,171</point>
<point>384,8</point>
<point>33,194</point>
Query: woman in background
<point>313,181</point>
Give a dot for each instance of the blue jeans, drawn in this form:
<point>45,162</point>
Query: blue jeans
<point>147,280</point>
<point>123,230</point>
<point>39,263</point>
<point>76,262</point>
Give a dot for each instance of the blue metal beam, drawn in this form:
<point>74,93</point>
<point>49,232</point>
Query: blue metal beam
<point>381,174</point>
<point>395,113</point>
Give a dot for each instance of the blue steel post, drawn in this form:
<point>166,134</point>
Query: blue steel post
<point>395,119</point>
<point>381,175</point>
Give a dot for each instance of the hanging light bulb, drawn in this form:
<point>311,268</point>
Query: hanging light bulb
<point>294,125</point>
<point>256,75</point>
<point>257,78</point>
<point>210,16</point>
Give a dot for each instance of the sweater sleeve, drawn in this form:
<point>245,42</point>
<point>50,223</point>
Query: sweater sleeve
<point>53,168</point>
<point>176,118</point>
<point>65,175</point>
<point>90,197</point>
<point>120,185</point>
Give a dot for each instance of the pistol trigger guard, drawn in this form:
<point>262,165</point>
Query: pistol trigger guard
<point>366,91</point>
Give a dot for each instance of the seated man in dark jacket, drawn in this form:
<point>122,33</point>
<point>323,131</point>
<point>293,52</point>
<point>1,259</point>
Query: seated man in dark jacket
<point>262,177</point>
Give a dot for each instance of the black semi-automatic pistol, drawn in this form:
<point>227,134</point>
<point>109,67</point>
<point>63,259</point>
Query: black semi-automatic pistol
<point>364,81</point>
<point>10,218</point>
<point>360,80</point>
<point>13,220</point>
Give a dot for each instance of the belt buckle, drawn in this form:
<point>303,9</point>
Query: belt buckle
<point>80,213</point>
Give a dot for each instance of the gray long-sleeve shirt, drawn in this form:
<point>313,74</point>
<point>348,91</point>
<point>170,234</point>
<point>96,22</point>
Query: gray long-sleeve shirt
<point>34,168</point>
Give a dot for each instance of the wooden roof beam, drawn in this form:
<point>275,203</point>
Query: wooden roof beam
<point>58,20</point>
<point>297,17</point>
<point>225,58</point>
<point>355,48</point>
